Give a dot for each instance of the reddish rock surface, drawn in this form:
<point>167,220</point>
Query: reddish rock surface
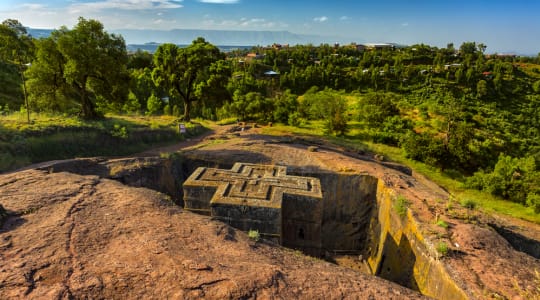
<point>72,236</point>
<point>83,236</point>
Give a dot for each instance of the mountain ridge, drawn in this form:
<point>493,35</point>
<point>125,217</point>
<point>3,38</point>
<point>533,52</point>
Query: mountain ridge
<point>217,37</point>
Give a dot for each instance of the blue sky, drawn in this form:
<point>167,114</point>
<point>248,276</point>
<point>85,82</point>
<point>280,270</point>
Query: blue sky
<point>504,26</point>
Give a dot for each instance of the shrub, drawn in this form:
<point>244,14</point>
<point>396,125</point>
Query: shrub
<point>442,248</point>
<point>468,204</point>
<point>119,131</point>
<point>401,205</point>
<point>153,105</point>
<point>254,235</point>
<point>442,224</point>
<point>533,200</point>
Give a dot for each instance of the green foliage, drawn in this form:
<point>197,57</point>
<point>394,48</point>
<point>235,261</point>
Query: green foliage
<point>132,105</point>
<point>85,64</point>
<point>153,105</point>
<point>424,147</point>
<point>533,200</point>
<point>376,107</point>
<point>285,105</point>
<point>442,248</point>
<point>254,235</point>
<point>329,106</point>
<point>442,223</point>
<point>180,71</point>
<point>401,205</point>
<point>516,179</point>
<point>119,131</point>
<point>536,86</point>
<point>468,204</point>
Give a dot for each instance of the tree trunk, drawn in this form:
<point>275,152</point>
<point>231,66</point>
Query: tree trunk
<point>187,110</point>
<point>88,107</point>
<point>26,103</point>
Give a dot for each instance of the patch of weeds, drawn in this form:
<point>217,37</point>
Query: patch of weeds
<point>119,131</point>
<point>401,205</point>
<point>468,204</point>
<point>254,235</point>
<point>442,223</point>
<point>227,121</point>
<point>449,205</point>
<point>442,248</point>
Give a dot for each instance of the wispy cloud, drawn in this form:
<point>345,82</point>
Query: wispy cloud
<point>220,1</point>
<point>125,5</point>
<point>405,24</point>
<point>321,19</point>
<point>344,18</point>
<point>33,6</point>
<point>248,23</point>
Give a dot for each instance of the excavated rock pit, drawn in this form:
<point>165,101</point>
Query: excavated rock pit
<point>361,216</point>
<point>358,218</point>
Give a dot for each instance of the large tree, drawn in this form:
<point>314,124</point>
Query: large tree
<point>90,61</point>
<point>180,70</point>
<point>16,48</point>
<point>47,87</point>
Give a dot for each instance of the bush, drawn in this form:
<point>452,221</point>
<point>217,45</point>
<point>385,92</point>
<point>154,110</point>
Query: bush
<point>153,105</point>
<point>468,204</point>
<point>533,200</point>
<point>401,205</point>
<point>254,235</point>
<point>442,248</point>
<point>512,178</point>
<point>442,224</point>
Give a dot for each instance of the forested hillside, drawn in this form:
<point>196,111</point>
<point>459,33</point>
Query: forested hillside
<point>454,108</point>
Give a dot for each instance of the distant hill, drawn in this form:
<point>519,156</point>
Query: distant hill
<point>221,37</point>
<point>216,37</point>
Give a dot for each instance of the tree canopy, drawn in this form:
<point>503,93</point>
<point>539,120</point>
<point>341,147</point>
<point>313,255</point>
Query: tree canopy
<point>86,61</point>
<point>181,70</point>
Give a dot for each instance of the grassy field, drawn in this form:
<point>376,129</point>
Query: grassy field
<point>450,180</point>
<point>50,137</point>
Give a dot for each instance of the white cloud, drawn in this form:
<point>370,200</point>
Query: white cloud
<point>321,19</point>
<point>344,18</point>
<point>247,23</point>
<point>124,5</point>
<point>33,6</point>
<point>405,24</point>
<point>220,1</point>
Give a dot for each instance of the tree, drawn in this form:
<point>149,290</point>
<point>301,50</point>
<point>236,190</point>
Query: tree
<point>47,87</point>
<point>375,107</point>
<point>181,70</point>
<point>468,48</point>
<point>329,106</point>
<point>481,88</point>
<point>16,48</point>
<point>95,64</point>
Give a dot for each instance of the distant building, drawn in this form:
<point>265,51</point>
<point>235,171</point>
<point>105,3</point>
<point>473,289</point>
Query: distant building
<point>254,55</point>
<point>452,66</point>
<point>379,46</point>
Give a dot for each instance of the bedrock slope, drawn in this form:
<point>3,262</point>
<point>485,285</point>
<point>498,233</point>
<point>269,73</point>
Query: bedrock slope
<point>75,236</point>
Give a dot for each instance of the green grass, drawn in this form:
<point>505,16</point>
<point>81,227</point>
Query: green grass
<point>442,248</point>
<point>254,235</point>
<point>442,224</point>
<point>50,136</point>
<point>401,205</point>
